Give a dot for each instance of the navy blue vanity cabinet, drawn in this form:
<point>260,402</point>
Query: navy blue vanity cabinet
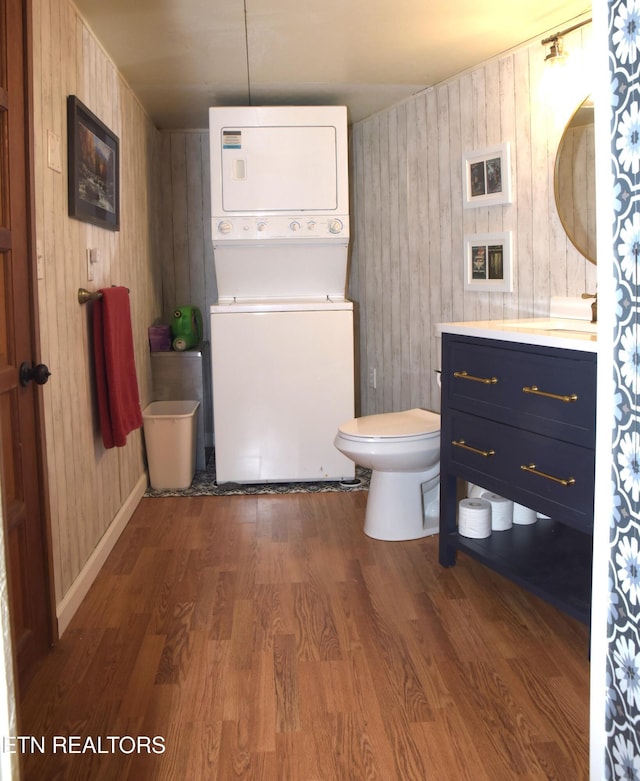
<point>519,420</point>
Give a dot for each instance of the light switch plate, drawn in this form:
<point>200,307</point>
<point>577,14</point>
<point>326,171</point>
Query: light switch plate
<point>54,152</point>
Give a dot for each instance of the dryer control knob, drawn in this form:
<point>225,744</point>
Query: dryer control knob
<point>262,226</point>
<point>335,226</point>
<point>295,225</point>
<point>311,225</point>
<point>225,227</point>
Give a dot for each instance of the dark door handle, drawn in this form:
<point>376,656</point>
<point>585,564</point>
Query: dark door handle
<point>39,374</point>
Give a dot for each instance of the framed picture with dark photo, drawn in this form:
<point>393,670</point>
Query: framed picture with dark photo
<point>486,176</point>
<point>94,168</point>
<point>487,262</point>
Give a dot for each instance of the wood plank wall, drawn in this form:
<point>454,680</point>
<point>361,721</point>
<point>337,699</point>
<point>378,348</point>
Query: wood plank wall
<point>88,485</point>
<point>408,220</point>
<point>186,250</point>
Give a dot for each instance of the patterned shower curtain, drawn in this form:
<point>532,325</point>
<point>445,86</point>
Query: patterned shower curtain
<point>622,717</point>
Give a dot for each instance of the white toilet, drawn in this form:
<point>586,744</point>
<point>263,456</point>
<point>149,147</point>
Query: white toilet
<point>403,451</point>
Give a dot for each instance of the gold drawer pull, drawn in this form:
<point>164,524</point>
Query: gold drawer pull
<point>483,380</point>
<point>461,443</point>
<point>537,392</point>
<point>532,469</point>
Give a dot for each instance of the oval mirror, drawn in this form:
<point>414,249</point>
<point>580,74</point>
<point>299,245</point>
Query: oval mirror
<point>575,181</point>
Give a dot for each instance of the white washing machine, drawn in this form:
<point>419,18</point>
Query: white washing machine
<point>282,384</point>
<point>282,330</point>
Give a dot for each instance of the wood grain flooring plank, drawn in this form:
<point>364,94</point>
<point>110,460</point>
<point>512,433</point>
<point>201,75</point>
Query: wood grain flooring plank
<point>470,638</point>
<point>221,606</point>
<point>345,614</point>
<point>264,766</point>
<point>104,607</point>
<point>297,757</point>
<point>286,684</point>
<point>209,692</point>
<point>135,700</point>
<point>177,648</point>
<point>235,692</point>
<point>263,713</point>
<point>345,745</point>
<point>321,562</point>
<point>205,589</point>
<point>56,682</point>
<point>273,562</point>
<point>571,719</point>
<point>148,573</point>
<point>235,751</point>
<point>426,657</point>
<point>245,568</point>
<point>556,765</point>
<point>366,695</point>
<point>162,611</point>
<point>337,686</point>
<point>429,627</point>
<point>317,637</point>
<point>159,716</point>
<point>124,559</point>
<point>383,637</point>
<point>493,719</point>
<point>449,752</point>
<point>241,641</point>
<point>408,756</point>
<point>274,614</point>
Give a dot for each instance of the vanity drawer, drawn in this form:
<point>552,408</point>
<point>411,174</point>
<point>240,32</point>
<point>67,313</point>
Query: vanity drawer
<point>547,393</point>
<point>550,475</point>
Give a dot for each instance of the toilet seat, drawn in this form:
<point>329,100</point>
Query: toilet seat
<point>403,426</point>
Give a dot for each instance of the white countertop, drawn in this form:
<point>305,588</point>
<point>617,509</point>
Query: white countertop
<point>544,331</point>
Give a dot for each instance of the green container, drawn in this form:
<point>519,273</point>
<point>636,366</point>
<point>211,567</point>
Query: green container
<point>186,327</point>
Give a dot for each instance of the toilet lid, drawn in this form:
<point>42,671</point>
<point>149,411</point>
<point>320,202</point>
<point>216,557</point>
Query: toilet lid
<point>412,423</point>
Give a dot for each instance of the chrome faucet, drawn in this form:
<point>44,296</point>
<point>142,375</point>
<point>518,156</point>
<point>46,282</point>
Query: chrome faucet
<point>594,305</point>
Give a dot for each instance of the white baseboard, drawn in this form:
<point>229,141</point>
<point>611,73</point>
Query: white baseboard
<point>81,585</point>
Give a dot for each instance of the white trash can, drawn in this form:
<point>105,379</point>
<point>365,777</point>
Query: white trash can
<point>170,439</point>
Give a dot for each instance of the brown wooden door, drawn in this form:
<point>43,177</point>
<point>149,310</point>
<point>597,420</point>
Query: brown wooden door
<point>22,474</point>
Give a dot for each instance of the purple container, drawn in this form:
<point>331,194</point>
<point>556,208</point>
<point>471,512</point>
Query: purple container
<point>160,338</point>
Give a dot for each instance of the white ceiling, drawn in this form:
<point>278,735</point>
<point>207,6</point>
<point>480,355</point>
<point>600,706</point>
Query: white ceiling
<point>182,56</point>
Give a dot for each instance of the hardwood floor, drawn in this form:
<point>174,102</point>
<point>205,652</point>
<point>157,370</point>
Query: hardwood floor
<point>266,637</point>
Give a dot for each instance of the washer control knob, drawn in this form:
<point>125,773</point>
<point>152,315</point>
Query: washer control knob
<point>311,225</point>
<point>262,226</point>
<point>335,226</point>
<point>224,227</point>
<point>295,225</point>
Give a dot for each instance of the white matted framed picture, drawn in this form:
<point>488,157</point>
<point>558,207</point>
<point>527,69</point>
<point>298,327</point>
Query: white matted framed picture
<point>486,177</point>
<point>488,263</point>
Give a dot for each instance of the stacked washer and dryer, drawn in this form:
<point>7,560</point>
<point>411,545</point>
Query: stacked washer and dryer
<point>282,329</point>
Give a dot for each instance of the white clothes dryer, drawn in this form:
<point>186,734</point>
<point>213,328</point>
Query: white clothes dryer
<point>283,379</point>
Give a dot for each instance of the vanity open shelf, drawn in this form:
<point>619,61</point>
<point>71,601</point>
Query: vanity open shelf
<point>518,419</point>
<point>549,559</point>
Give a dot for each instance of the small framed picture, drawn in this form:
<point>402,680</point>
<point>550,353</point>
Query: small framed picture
<point>487,263</point>
<point>94,175</point>
<point>486,176</point>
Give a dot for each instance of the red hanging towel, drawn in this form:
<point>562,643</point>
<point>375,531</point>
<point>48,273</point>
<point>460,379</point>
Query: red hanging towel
<point>116,379</point>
